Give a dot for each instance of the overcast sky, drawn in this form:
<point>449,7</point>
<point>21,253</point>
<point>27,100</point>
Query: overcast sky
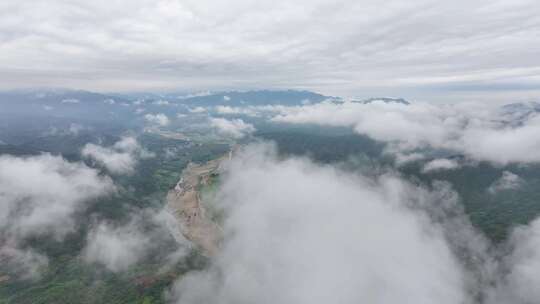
<point>461,49</point>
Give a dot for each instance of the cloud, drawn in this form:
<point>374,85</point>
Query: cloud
<point>405,158</point>
<point>332,236</point>
<point>235,110</point>
<point>119,247</point>
<point>196,94</point>
<point>507,181</point>
<point>161,102</point>
<point>41,193</point>
<point>481,132</point>
<point>158,119</point>
<point>440,164</point>
<point>26,264</point>
<point>120,158</point>
<point>519,283</point>
<point>329,236</point>
<point>254,111</point>
<point>402,47</point>
<point>235,128</point>
<point>75,129</point>
<point>197,110</point>
<point>39,196</point>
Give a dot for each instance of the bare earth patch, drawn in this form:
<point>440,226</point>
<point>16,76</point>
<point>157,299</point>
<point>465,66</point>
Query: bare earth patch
<point>185,204</point>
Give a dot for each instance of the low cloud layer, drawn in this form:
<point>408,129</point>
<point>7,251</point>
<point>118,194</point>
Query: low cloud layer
<point>235,128</point>
<point>326,237</point>
<point>481,132</point>
<point>119,247</point>
<point>120,158</point>
<point>39,195</point>
<point>331,236</point>
<point>116,247</point>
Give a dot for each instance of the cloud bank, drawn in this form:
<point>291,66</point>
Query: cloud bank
<point>479,131</point>
<point>401,46</point>
<point>318,235</point>
<point>331,236</point>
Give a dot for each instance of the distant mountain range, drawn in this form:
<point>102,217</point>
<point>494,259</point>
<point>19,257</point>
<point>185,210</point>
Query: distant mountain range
<point>97,106</point>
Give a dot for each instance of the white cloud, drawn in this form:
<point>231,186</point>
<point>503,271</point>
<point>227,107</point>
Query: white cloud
<point>158,119</point>
<point>116,247</point>
<point>196,94</point>
<point>404,158</point>
<point>235,110</point>
<point>109,101</point>
<point>479,131</point>
<point>235,128</point>
<point>119,158</point>
<point>440,164</point>
<point>119,247</point>
<point>254,111</point>
<point>226,98</point>
<point>41,193</point>
<point>327,237</point>
<point>39,196</point>
<point>507,181</point>
<point>520,282</point>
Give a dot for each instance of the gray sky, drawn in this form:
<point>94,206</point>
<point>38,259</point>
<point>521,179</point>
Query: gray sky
<point>420,49</point>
